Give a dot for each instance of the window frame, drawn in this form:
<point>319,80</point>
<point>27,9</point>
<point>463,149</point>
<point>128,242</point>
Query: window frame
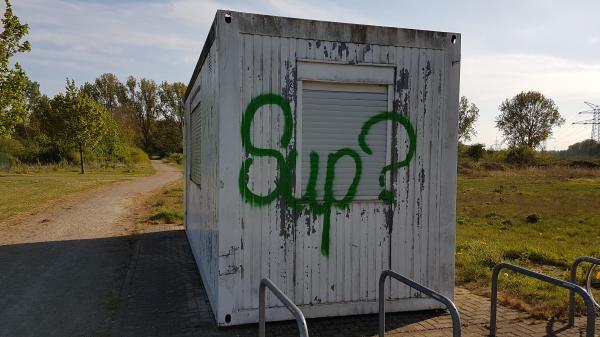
<point>343,73</point>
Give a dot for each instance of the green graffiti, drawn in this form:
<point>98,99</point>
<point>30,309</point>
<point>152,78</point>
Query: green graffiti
<point>330,199</point>
<point>286,166</point>
<point>388,195</point>
<point>286,137</point>
<point>331,161</point>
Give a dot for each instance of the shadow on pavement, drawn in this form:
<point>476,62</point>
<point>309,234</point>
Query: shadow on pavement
<point>140,285</point>
<point>63,288</point>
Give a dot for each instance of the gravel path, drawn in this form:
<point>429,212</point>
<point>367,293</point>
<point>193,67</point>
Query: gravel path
<point>61,270</point>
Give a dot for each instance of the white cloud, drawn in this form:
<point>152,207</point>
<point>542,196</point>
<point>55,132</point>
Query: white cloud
<point>489,79</point>
<point>536,46</point>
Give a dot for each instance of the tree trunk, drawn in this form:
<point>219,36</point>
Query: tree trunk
<point>81,158</point>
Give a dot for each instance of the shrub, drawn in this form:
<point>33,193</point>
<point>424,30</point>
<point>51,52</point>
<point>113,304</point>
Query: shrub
<point>136,155</point>
<point>122,154</point>
<point>176,157</point>
<point>12,147</point>
<point>476,151</point>
<point>6,161</point>
<point>496,155</point>
<point>520,155</point>
<point>533,218</point>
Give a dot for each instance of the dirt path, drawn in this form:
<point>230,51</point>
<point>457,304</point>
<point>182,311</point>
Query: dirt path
<point>102,212</point>
<point>61,270</point>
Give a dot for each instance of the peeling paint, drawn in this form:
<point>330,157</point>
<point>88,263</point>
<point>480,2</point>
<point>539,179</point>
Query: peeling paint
<point>402,83</point>
<point>230,252</point>
<point>343,48</point>
<point>229,270</point>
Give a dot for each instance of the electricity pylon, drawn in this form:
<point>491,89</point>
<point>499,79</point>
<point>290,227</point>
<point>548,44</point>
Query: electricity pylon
<point>594,122</point>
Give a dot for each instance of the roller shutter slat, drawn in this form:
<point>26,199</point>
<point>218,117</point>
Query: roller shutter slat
<point>332,120</point>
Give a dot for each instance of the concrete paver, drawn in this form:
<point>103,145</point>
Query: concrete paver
<point>165,297</point>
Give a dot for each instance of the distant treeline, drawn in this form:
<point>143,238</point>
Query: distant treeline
<point>149,114</point>
<point>585,154</point>
<point>105,120</point>
<point>587,149</point>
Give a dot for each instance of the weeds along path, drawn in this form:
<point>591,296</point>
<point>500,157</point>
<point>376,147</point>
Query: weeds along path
<point>61,270</point>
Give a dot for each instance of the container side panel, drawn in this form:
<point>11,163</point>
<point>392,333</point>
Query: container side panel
<point>268,229</point>
<point>417,247</point>
<point>267,68</point>
<point>202,194</point>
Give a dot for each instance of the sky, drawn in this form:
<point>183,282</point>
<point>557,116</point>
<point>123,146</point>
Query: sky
<point>507,46</point>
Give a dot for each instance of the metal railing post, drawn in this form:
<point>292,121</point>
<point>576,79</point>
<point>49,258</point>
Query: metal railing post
<point>591,315</point>
<point>296,312</point>
<point>429,292</point>
<point>261,309</point>
<point>574,266</point>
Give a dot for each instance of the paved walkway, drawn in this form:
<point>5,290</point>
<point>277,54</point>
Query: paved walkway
<point>164,297</point>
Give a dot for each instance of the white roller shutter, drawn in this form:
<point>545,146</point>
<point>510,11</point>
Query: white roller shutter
<point>332,116</point>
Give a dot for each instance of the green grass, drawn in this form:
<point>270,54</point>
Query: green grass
<point>493,226</point>
<point>167,207</point>
<point>33,186</point>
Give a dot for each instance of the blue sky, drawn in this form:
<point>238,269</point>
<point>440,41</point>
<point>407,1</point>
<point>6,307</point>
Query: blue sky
<point>507,46</point>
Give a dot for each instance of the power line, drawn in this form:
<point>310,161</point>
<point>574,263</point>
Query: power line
<point>594,122</point>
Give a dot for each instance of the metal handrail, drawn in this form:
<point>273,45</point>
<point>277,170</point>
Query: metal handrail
<point>574,266</point>
<point>266,283</point>
<point>432,293</point>
<point>591,315</point>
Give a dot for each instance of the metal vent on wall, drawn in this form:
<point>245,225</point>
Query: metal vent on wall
<point>332,117</point>
<point>195,144</point>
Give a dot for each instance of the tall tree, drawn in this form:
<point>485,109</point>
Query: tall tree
<point>34,101</point>
<point>75,120</point>
<point>172,96</point>
<point>112,94</point>
<point>528,119</point>
<point>143,98</point>
<point>106,90</point>
<point>468,114</point>
<point>13,81</point>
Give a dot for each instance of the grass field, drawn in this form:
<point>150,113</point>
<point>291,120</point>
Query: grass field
<point>30,187</point>
<point>538,218</point>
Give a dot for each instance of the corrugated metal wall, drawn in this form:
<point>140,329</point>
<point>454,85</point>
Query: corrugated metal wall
<point>284,245</point>
<point>202,194</point>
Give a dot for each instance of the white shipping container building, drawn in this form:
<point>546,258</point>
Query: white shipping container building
<point>319,154</point>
